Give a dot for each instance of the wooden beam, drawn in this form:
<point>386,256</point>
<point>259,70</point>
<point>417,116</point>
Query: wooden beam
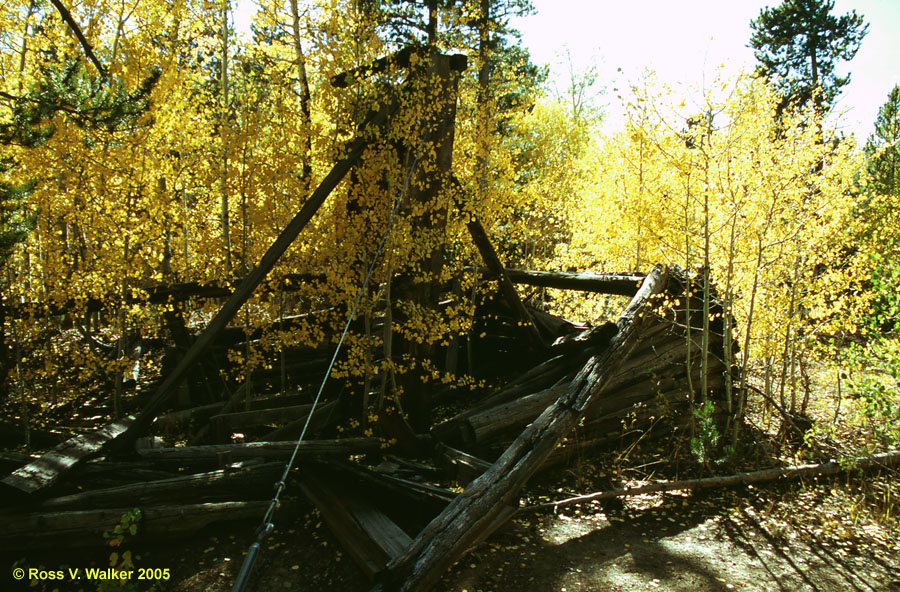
<point>623,284</point>
<point>493,497</point>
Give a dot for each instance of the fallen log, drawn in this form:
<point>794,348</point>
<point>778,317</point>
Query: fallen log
<point>861,463</point>
<point>67,530</point>
<point>213,453</point>
<point>227,484</point>
<point>493,497</point>
<point>47,470</point>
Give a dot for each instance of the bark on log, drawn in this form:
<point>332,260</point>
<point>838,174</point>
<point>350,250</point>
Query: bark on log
<point>493,497</point>
<point>875,461</point>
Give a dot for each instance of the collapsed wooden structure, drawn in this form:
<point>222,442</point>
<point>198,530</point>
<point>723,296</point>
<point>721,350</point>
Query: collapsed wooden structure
<point>582,386</point>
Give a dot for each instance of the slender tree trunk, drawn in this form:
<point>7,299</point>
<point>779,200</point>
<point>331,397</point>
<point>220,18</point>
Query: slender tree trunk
<point>431,29</point>
<point>305,99</point>
<point>223,130</point>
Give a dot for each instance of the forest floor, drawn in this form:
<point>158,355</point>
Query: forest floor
<point>829,534</point>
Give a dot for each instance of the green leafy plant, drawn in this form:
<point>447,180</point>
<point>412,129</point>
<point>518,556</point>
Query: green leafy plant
<point>878,388</point>
<point>127,527</point>
<point>706,435</point>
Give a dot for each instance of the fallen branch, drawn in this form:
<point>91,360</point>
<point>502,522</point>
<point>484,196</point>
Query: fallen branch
<point>886,459</point>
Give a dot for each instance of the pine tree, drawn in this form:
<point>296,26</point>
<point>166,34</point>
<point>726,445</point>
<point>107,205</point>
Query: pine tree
<point>798,45</point>
<point>883,147</point>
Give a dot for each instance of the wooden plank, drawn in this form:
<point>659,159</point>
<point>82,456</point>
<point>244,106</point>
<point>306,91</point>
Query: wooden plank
<point>368,535</point>
<point>227,484</point>
<point>493,497</point>
<point>49,468</point>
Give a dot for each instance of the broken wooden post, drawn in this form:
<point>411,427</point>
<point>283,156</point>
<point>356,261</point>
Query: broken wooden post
<point>434,156</point>
<point>493,497</point>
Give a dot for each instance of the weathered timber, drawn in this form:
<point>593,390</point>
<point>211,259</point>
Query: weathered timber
<point>861,463</point>
<point>224,484</point>
<point>409,497</point>
<point>67,530</point>
<point>623,284</point>
<point>259,273</point>
<point>501,418</point>
<point>656,367</point>
<point>371,538</point>
<point>192,455</point>
<point>47,470</point>
<point>493,497</point>
<point>489,255</point>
